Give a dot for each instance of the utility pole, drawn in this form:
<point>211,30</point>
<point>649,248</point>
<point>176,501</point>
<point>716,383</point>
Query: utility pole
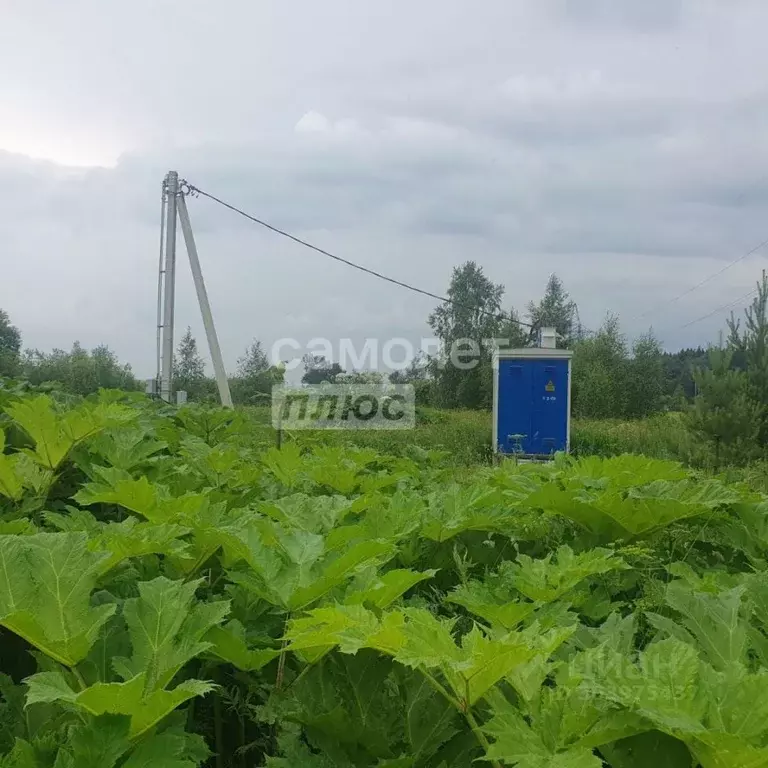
<point>155,389</point>
<point>175,205</point>
<point>166,374</point>
<point>205,308</point>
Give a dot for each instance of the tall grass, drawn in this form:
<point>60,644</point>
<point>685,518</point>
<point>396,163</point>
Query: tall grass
<point>663,436</point>
<point>465,436</point>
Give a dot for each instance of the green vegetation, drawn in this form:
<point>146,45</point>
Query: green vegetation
<point>177,592</point>
<point>174,593</point>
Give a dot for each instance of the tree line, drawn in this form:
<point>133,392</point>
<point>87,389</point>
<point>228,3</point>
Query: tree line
<point>611,377</point>
<point>722,391</point>
<point>81,371</point>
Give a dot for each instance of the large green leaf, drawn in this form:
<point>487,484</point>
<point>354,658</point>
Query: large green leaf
<point>56,433</point>
<point>132,538</point>
<point>164,750</point>
<point>430,720</point>
<point>722,750</point>
<point>651,748</point>
<point>285,464</point>
<point>129,698</point>
<point>417,639</point>
<point>612,511</point>
<point>715,620</point>
<point>382,591</point>
<point>348,709</point>
<point>457,509</point>
<point>515,742</point>
<point>167,628</point>
<point>11,485</point>
<point>545,581</point>
<point>125,448</point>
<point>316,514</point>
<point>292,568</point>
<point>23,755</point>
<point>99,743</point>
<point>152,501</point>
<point>46,582</point>
<point>663,686</point>
<point>229,643</point>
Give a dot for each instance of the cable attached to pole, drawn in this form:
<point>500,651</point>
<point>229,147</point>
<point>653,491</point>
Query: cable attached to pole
<point>188,188</point>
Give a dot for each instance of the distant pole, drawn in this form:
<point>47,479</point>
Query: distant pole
<point>166,376</point>
<point>205,307</point>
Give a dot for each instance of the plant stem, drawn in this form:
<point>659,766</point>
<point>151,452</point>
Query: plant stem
<point>465,709</point>
<point>80,679</point>
<point>281,662</point>
<point>218,730</point>
<point>479,735</point>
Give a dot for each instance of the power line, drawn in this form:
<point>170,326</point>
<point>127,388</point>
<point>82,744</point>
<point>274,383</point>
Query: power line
<point>187,187</point>
<point>703,282</point>
<point>720,309</point>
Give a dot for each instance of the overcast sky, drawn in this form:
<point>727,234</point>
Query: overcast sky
<point>619,143</point>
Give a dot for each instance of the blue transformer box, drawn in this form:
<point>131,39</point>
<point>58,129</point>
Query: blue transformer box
<point>532,401</point>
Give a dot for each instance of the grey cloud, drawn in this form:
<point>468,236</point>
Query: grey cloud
<point>650,15</point>
<point>620,144</point>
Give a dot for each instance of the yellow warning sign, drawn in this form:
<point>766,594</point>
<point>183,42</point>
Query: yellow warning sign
<point>550,386</point>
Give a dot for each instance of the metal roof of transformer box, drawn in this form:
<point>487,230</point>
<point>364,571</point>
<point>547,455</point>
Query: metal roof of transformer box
<point>532,401</point>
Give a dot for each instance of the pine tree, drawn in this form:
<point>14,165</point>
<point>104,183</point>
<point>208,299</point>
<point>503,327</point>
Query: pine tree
<point>254,362</point>
<point>724,414</point>
<point>555,310</point>
<point>189,368</point>
<point>750,352</point>
<point>255,377</point>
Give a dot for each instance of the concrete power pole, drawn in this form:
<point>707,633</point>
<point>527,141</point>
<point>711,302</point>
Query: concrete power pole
<point>169,283</point>
<point>205,308</point>
<point>176,206</point>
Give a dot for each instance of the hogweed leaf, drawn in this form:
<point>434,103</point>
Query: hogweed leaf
<point>46,582</point>
<point>480,599</point>
<point>723,750</point>
<point>456,509</point>
<point>316,514</point>
<point>118,487</point>
<point>430,720</point>
<point>337,571</point>
<point>285,465</point>
<point>517,743</point>
<point>54,433</point>
<point>545,581</point>
<point>167,627</point>
<point>715,620</point>
<point>129,698</point>
<point>487,662</point>
<point>131,538</point>
<point>229,644</point>
<point>164,750</point>
<point>417,639</point>
<point>99,743</point>
<point>385,589</point>
<point>125,448</point>
<point>664,686</point>
<point>11,485</point>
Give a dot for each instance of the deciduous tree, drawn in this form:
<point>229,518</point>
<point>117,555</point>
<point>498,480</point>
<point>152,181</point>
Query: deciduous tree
<point>10,346</point>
